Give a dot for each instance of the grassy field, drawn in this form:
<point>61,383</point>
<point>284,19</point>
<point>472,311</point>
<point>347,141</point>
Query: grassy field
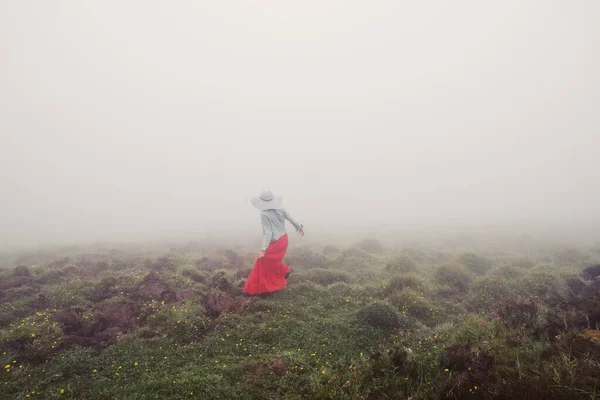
<point>362,321</point>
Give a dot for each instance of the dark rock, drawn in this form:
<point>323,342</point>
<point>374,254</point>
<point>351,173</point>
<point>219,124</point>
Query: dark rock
<point>576,285</point>
<point>113,320</point>
<point>278,366</point>
<point>152,288</point>
<point>71,319</point>
<point>591,272</point>
<point>185,294</point>
<point>217,302</point>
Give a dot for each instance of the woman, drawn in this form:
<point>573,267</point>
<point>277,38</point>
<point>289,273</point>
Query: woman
<point>270,273</point>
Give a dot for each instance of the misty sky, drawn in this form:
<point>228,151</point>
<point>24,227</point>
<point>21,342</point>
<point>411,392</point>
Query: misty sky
<point>129,118</point>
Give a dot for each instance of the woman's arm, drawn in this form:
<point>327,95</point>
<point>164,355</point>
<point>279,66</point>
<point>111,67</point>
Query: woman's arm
<point>267,231</point>
<point>299,227</point>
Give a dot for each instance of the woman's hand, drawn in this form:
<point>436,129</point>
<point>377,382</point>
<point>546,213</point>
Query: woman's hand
<point>301,231</point>
<point>261,254</point>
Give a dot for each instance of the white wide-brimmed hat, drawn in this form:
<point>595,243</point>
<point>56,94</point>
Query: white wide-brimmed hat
<point>267,201</point>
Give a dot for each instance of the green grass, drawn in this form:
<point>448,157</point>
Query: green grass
<point>358,323</point>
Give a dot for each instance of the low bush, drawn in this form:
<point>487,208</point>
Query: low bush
<point>168,262</point>
<point>331,251</point>
<point>547,286</point>
<point>522,262</point>
<point>221,280</point>
<point>415,304</point>
<point>401,264</point>
<point>488,290</point>
<point>454,276</point>
<point>195,274</point>
<point>297,277</point>
<point>408,281</point>
<point>518,313</point>
<point>372,246</point>
<point>380,315</point>
<point>21,270</point>
<point>355,253</point>
<point>50,277</point>
<point>105,289</point>
<point>508,272</point>
<point>569,257</point>
<point>474,263</point>
<point>183,323</point>
<point>34,338</point>
<point>304,257</point>
<point>326,276</point>
<point>367,276</point>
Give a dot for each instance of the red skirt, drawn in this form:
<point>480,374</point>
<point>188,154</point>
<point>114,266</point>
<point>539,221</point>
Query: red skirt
<point>268,274</point>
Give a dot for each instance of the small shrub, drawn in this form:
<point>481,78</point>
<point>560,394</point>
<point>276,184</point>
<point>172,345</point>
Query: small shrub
<point>401,264</point>
<point>473,332</point>
<point>489,290</point>
<point>195,275</point>
<point>220,280</point>
<point>355,253</point>
<point>508,271</point>
<point>232,258</point>
<point>522,262</point>
<point>74,292</point>
<point>394,359</point>
<point>518,312</point>
<point>331,251</point>
<point>474,263</point>
<point>565,320</point>
<point>168,262</point>
<point>103,290</point>
<point>416,305</point>
<point>297,277</point>
<point>21,270</point>
<point>341,289</point>
<point>306,289</point>
<point>454,276</point>
<point>51,277</point>
<point>353,260</point>
<point>327,276</point>
<point>305,257</point>
<point>380,315</point>
<point>352,264</point>
<point>372,246</point>
<point>182,323</point>
<point>368,277</point>
<point>34,338</point>
<point>569,257</point>
<point>409,281</point>
<point>544,285</point>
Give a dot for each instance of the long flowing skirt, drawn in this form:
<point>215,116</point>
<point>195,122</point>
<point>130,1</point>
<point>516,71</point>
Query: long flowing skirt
<point>268,274</point>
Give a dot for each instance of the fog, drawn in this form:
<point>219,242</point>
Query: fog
<point>129,119</point>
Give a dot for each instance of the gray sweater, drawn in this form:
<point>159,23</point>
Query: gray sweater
<point>273,223</point>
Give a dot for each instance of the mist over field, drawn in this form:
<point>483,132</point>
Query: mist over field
<point>123,121</point>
